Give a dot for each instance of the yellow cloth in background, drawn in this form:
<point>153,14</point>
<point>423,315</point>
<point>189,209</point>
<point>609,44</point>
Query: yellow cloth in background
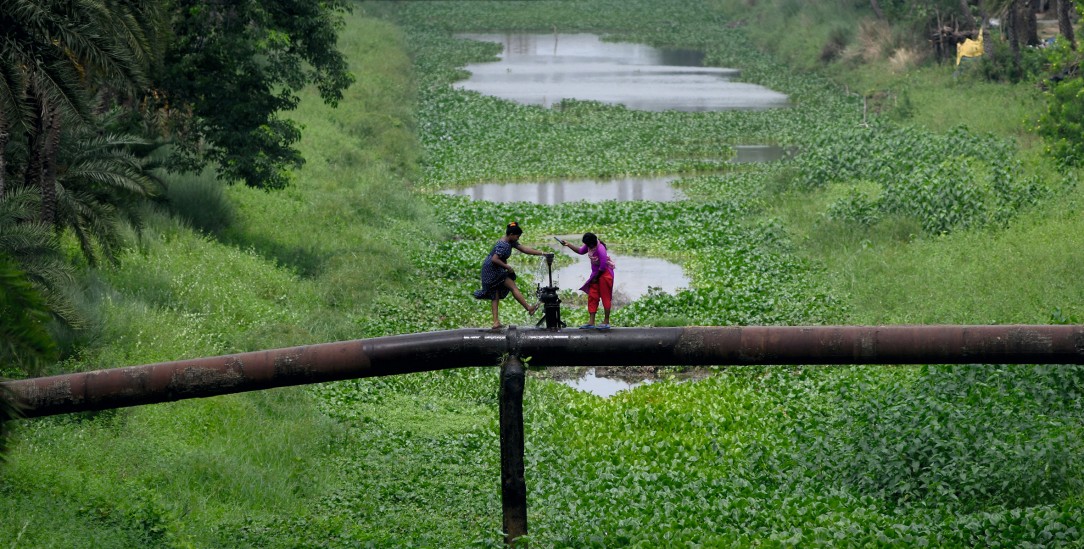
<point>969,48</point>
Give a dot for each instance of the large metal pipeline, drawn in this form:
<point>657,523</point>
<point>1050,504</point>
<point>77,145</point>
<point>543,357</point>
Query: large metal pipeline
<point>402,354</point>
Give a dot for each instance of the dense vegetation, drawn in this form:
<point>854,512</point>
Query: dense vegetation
<point>891,216</point>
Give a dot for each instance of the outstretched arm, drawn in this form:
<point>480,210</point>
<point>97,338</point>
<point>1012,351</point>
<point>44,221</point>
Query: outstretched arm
<point>581,250</point>
<point>529,251</point>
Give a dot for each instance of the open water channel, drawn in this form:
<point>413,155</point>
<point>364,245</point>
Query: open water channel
<point>544,69</point>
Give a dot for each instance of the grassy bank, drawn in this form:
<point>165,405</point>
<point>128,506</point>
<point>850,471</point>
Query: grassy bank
<point>975,277</point>
<point>361,246</point>
<point>228,270</point>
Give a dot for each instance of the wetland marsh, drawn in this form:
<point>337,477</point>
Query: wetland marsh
<point>868,222</point>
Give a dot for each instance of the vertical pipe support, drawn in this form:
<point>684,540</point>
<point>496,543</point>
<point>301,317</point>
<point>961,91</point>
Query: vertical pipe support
<point>513,481</point>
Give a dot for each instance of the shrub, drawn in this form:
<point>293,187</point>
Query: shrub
<point>974,436</point>
<point>199,200</point>
<point>1063,123</point>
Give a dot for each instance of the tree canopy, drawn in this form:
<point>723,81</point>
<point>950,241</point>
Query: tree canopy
<point>90,88</point>
<point>237,66</point>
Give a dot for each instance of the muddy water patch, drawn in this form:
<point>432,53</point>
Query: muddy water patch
<point>544,69</point>
<point>658,189</point>
<point>610,380</point>
<point>605,387</point>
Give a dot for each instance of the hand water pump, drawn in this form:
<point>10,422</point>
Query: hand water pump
<point>551,303</point>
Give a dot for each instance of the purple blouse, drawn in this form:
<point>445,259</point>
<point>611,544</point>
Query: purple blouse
<point>600,262</point>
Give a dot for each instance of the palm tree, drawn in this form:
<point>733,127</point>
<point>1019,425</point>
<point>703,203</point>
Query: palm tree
<point>103,180</point>
<point>25,341</point>
<point>32,245</point>
<point>13,109</point>
<point>57,54</point>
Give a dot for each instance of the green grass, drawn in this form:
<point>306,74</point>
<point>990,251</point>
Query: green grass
<point>822,25</point>
<point>974,455</point>
<point>165,474</point>
<point>888,271</point>
<point>1025,274</point>
<point>264,270</point>
<point>351,202</point>
<point>933,98</point>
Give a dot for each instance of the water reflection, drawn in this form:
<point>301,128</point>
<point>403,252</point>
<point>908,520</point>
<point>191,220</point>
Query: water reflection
<point>746,154</point>
<point>633,276</point>
<point>543,69</point>
<point>587,47</point>
<point>602,386</point>
<point>607,381</point>
<point>558,192</point>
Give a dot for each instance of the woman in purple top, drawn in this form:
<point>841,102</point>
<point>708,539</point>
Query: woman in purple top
<point>600,285</point>
<point>498,277</point>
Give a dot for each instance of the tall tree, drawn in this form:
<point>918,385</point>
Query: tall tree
<point>237,66</point>
<point>1012,31</point>
<point>1065,21</point>
<point>13,109</point>
<point>1029,22</point>
<point>965,14</point>
<point>56,53</point>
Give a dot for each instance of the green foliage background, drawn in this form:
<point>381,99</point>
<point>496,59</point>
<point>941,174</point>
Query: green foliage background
<point>856,230</point>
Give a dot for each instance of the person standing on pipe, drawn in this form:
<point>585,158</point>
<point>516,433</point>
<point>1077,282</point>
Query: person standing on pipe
<point>600,285</point>
<point>498,277</point>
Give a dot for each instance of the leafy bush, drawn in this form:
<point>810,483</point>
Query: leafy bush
<point>1063,123</point>
<point>953,181</point>
<point>923,442</point>
<point>998,64</point>
<point>856,207</point>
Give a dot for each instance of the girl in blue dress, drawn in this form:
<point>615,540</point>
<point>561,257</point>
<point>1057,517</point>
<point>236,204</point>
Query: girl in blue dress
<point>498,277</point>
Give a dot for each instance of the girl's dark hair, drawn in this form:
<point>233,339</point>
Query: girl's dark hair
<point>591,240</point>
<point>513,228</point>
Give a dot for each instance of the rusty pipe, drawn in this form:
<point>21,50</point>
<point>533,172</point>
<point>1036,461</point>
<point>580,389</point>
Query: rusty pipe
<point>402,354</point>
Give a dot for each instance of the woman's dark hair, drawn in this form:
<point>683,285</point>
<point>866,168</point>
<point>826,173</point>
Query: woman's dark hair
<point>513,228</point>
<point>591,240</point>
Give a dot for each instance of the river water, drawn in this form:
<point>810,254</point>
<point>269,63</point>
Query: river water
<point>657,189</point>
<point>543,69</point>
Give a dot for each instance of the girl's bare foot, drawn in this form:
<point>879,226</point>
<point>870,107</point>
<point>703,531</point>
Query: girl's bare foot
<point>497,326</point>
<point>532,309</point>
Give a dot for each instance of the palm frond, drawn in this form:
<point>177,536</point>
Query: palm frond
<point>8,412</point>
<point>57,84</point>
<point>33,246</point>
<point>24,337</point>
<point>14,110</point>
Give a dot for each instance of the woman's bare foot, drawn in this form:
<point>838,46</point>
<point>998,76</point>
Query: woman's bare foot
<point>497,327</point>
<point>532,309</point>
